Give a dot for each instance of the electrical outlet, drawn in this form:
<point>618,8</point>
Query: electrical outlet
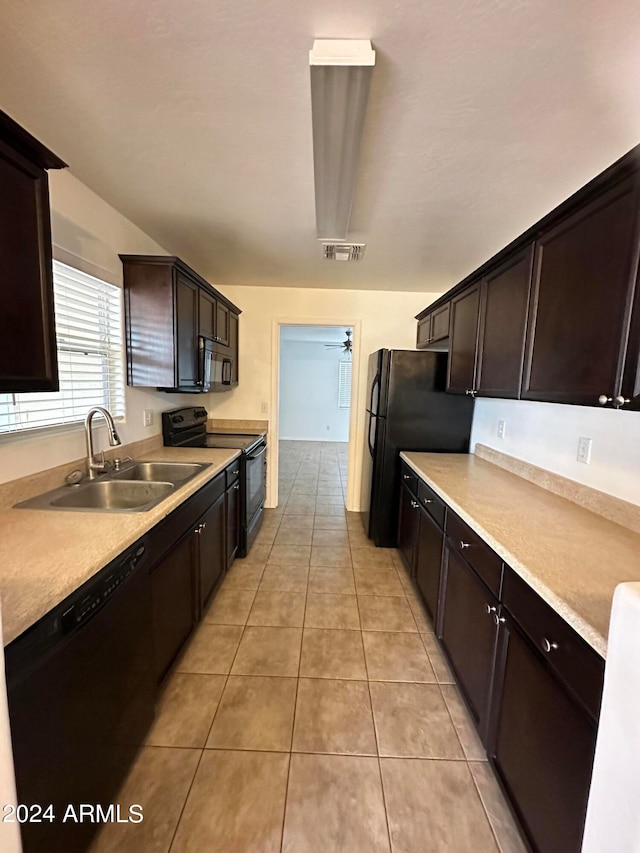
<point>264,408</point>
<point>147,417</point>
<point>584,450</point>
<point>502,429</point>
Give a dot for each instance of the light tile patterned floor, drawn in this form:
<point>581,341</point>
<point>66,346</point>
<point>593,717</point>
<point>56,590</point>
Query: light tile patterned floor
<point>312,711</point>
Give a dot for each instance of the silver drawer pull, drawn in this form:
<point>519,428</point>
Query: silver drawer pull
<point>406,476</point>
<point>235,473</point>
<point>490,609</point>
<point>427,500</point>
<point>547,646</point>
<point>464,545</point>
<point>415,504</point>
<point>498,619</point>
<point>237,486</point>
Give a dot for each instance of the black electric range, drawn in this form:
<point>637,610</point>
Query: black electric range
<point>187,427</point>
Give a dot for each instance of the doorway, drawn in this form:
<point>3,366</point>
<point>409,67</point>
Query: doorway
<point>314,388</point>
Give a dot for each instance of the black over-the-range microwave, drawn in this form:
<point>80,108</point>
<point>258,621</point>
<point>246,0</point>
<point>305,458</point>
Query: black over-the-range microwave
<point>215,370</point>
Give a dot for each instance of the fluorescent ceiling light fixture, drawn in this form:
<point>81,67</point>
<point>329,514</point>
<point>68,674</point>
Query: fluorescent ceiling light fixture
<point>341,72</point>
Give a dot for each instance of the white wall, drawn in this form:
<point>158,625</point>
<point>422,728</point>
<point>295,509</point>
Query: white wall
<point>386,320</point>
<point>547,434</point>
<point>89,234</point>
<point>309,393</point>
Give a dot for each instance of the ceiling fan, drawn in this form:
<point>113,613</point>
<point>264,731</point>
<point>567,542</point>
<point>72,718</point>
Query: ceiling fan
<point>346,346</point>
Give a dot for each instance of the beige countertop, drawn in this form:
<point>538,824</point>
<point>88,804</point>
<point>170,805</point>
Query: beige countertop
<point>571,557</point>
<point>45,555</point>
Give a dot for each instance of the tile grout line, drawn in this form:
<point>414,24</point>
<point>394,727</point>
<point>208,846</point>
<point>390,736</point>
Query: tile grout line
<point>295,710</point>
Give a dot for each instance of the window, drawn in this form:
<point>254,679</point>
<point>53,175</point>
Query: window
<point>344,384</point>
<point>89,339</point>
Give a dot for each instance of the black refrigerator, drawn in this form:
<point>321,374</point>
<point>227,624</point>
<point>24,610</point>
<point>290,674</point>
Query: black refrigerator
<point>407,409</point>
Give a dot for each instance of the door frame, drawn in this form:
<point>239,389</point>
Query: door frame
<point>353,497</point>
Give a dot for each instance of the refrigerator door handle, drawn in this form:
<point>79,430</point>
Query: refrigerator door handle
<point>369,435</point>
<point>375,382</point>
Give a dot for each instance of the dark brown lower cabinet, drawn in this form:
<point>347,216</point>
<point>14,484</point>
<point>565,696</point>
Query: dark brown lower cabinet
<point>408,528</point>
<point>173,597</point>
<point>428,561</point>
<point>468,632</point>
<point>232,519</point>
<point>211,549</point>
<point>542,745</point>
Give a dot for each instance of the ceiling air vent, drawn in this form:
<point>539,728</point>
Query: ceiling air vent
<point>342,251</point>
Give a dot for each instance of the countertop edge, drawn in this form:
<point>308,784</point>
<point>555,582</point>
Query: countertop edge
<point>588,633</point>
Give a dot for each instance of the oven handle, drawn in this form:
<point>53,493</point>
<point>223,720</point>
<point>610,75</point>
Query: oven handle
<point>258,454</point>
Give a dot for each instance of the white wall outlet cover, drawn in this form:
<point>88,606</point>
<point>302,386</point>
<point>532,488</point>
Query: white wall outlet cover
<point>502,428</point>
<point>147,417</point>
<point>584,450</point>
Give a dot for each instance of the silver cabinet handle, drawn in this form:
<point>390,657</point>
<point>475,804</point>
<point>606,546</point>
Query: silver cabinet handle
<point>490,609</point>
<point>548,646</point>
<point>415,504</point>
<point>471,392</point>
<point>406,476</point>
<point>235,473</point>
<point>427,500</point>
<point>498,619</point>
<point>464,545</point>
<point>603,399</point>
<point>198,530</point>
<point>620,401</point>
<point>203,526</point>
<point>237,486</point>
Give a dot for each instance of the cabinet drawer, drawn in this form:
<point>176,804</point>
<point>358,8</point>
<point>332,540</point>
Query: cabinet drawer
<point>432,503</point>
<point>476,552</point>
<point>574,661</point>
<point>232,472</point>
<point>409,479</point>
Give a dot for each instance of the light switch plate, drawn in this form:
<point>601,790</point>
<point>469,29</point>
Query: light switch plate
<point>502,429</point>
<point>147,417</point>
<point>584,450</point>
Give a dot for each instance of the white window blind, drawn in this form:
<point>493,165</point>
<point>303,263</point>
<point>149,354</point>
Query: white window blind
<point>344,384</point>
<point>89,341</point>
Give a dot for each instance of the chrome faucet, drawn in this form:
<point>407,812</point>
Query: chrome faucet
<point>94,468</point>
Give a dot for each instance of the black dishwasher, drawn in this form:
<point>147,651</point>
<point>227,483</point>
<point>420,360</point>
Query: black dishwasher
<point>81,698</point>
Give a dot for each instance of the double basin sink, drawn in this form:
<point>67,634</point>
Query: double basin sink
<point>137,487</point>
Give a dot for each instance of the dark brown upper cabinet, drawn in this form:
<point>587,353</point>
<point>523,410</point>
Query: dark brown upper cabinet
<point>463,341</point>
<point>168,307</point>
<point>28,358</point>
<point>583,291</point>
<point>433,327</point>
<point>503,323</point>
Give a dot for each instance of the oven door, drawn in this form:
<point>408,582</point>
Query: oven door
<point>256,468</point>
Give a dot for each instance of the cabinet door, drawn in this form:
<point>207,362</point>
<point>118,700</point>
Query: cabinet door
<point>234,322</point>
<point>28,360</point>
<point>584,277</point>
<point>463,326</point>
<point>428,561</point>
<point>542,746</point>
<point>440,323</point>
<point>186,333</point>
<point>222,323</point>
<point>207,315</point>
<point>211,549</point>
<point>468,633</point>
<point>408,528</point>
<point>504,303</point>
<point>232,516</point>
<point>424,332</point>
<point>173,596</point>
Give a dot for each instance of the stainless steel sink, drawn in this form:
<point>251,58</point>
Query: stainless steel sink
<point>168,472</point>
<point>136,488</point>
<point>103,496</point>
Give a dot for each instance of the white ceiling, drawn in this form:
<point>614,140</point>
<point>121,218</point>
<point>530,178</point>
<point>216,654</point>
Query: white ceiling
<point>194,120</point>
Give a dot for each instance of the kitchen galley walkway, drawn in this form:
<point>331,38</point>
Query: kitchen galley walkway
<point>312,711</point>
